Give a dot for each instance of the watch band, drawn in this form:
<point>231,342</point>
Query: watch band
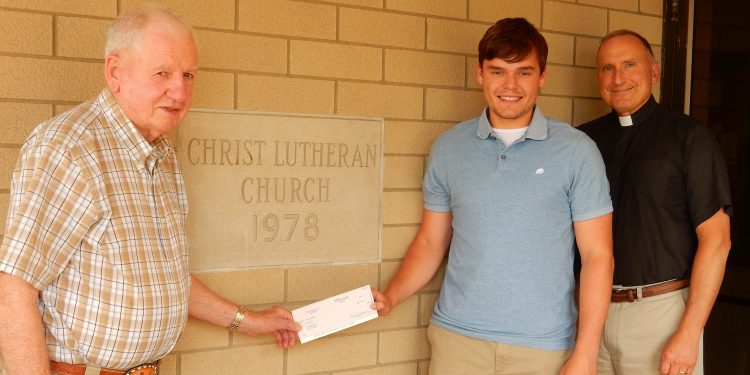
<point>238,317</point>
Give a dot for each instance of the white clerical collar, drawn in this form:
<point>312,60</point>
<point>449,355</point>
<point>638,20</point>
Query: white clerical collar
<point>626,120</point>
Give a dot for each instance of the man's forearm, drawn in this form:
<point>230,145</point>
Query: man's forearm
<point>704,287</point>
<point>204,304</point>
<point>417,269</point>
<point>424,257</point>
<point>595,291</point>
<point>707,273</point>
<point>594,238</point>
<point>208,306</point>
<point>22,343</point>
<point>682,349</point>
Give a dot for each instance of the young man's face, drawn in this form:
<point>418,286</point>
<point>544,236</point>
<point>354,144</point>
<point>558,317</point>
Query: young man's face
<point>626,73</point>
<point>510,90</point>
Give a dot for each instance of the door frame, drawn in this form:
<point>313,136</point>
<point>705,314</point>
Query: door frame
<point>677,56</point>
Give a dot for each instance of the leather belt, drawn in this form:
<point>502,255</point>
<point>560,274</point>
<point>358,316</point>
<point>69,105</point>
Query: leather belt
<point>631,294</point>
<point>61,368</point>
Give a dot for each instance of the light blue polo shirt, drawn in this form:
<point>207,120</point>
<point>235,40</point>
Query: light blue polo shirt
<point>509,277</point>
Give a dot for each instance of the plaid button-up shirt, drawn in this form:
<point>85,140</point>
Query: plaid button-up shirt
<point>96,223</point>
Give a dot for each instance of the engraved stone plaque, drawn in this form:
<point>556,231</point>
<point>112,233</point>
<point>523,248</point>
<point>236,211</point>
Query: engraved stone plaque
<point>268,190</point>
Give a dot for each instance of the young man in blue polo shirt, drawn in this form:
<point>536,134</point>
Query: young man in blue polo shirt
<point>508,192</point>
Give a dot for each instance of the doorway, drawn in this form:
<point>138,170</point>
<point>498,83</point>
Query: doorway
<point>706,65</point>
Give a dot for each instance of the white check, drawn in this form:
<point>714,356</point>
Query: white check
<point>335,314</point>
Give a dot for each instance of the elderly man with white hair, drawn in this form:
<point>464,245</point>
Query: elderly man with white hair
<point>94,264</point>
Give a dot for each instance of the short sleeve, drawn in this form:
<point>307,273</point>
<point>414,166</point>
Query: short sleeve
<point>707,179</point>
<point>434,192</point>
<point>49,214</point>
<point>589,192</point>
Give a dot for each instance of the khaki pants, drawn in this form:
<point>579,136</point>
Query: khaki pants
<point>635,334</point>
<point>454,354</point>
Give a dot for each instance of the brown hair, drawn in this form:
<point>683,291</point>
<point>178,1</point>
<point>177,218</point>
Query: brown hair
<point>513,39</point>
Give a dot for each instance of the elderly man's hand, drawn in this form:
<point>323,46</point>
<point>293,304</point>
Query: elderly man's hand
<point>276,321</point>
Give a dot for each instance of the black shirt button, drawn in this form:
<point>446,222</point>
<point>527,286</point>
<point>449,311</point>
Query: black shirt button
<point>502,156</point>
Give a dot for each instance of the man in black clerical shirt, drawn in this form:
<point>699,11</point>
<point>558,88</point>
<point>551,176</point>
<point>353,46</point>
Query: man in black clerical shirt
<point>672,203</point>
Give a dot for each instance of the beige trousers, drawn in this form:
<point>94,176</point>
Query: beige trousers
<point>635,334</point>
<point>454,354</point>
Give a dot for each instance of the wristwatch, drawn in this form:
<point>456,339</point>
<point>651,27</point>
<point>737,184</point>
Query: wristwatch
<point>238,317</point>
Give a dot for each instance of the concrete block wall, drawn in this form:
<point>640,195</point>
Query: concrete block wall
<point>411,62</point>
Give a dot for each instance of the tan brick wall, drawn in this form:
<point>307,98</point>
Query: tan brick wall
<point>17,25</point>
<point>411,62</point>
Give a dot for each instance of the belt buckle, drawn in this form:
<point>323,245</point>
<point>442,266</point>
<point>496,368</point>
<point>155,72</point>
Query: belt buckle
<point>136,370</point>
<point>630,293</point>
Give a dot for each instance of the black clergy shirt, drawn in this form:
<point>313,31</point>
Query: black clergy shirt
<point>667,175</point>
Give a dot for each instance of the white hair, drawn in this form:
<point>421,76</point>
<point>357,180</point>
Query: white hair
<point>125,31</point>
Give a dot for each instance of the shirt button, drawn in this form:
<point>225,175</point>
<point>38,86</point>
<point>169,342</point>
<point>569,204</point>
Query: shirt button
<point>502,156</point>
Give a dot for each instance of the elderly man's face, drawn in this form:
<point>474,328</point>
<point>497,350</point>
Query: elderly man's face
<point>154,81</point>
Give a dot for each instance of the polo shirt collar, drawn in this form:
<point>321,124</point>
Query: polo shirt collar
<point>146,154</point>
<point>538,128</point>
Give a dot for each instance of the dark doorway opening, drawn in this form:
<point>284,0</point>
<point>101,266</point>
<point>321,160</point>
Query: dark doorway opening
<point>719,82</point>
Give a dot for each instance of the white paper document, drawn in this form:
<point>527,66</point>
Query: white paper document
<point>335,313</point>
